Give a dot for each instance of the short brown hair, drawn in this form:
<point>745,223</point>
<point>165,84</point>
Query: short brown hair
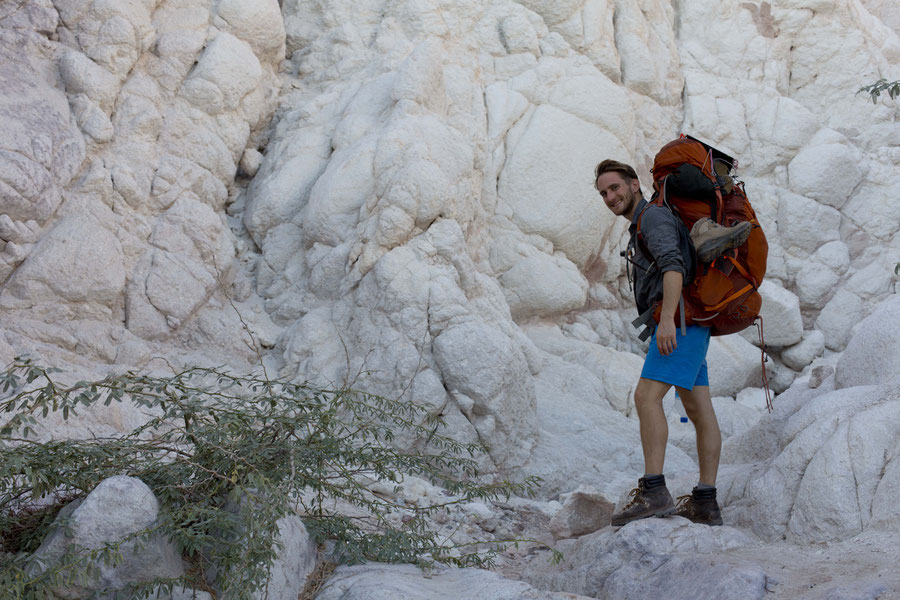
<point>609,165</point>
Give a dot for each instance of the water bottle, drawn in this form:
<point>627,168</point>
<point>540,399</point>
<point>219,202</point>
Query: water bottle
<point>682,414</point>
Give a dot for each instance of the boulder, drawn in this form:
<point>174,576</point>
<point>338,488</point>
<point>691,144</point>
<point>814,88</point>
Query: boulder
<point>734,363</point>
<point>225,73</point>
<point>518,34</point>
<point>540,166</point>
<point>833,321</point>
<point>805,224</point>
<point>117,508</point>
<point>480,514</point>
<point>78,262</point>
<point>504,108</point>
<point>825,172</point>
<point>259,23</point>
<point>41,148</point>
<point>596,99</point>
<point>780,311</point>
<point>873,354</point>
<point>542,285</point>
<point>817,279</point>
<point>295,560</point>
<point>488,373</point>
<point>804,352</point>
<point>782,126</point>
<point>584,511</point>
<point>868,200</point>
<point>81,75</point>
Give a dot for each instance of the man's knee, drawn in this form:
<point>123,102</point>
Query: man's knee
<point>649,393</point>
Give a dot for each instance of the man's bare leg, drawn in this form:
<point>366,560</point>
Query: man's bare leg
<point>654,430</point>
<point>651,497</point>
<point>699,409</point>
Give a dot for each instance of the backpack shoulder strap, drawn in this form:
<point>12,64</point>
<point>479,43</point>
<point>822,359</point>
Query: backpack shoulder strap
<point>639,238</point>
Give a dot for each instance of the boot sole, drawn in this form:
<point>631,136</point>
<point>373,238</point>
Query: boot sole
<point>711,522</point>
<point>712,249</point>
<point>661,513</point>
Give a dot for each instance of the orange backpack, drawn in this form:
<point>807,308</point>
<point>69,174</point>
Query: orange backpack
<point>723,295</point>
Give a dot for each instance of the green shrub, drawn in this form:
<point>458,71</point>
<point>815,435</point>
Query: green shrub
<point>225,455</point>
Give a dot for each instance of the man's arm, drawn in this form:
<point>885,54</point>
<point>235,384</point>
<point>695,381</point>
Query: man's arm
<point>661,237</point>
<point>665,333</point>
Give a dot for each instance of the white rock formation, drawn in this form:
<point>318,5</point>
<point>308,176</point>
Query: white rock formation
<point>823,468</point>
<point>118,153</point>
<point>838,317</point>
<point>832,475</point>
<point>478,114</point>
<point>399,195</point>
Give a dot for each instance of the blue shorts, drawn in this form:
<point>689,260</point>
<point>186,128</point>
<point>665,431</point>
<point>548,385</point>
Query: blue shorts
<point>685,367</point>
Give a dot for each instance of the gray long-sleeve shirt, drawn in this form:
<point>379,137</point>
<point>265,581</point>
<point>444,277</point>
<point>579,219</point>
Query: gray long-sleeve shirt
<point>667,239</point>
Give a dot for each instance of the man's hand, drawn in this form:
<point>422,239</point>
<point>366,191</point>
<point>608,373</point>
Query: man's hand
<point>665,336</point>
<point>665,333</point>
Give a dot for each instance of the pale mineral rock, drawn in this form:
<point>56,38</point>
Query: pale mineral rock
<point>398,196</point>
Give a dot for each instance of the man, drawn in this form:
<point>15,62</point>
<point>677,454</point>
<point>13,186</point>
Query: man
<point>672,358</point>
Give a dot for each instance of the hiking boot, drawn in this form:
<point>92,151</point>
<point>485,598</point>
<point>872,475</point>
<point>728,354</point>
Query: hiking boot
<point>656,502</point>
<point>711,239</point>
<point>699,510</point>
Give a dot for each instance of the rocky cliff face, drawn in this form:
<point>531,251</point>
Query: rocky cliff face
<point>399,193</point>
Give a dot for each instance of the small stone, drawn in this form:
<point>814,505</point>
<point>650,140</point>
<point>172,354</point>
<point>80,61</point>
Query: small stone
<point>803,353</point>
<point>250,162</point>
<point>820,374</point>
<point>584,511</point>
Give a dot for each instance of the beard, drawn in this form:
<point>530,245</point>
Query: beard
<point>626,205</point>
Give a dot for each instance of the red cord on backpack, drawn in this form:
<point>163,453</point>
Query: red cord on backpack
<point>762,349</point>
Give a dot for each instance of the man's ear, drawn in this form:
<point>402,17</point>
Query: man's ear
<point>635,186</point>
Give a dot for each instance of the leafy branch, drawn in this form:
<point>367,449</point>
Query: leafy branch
<point>892,88</point>
<point>227,455</point>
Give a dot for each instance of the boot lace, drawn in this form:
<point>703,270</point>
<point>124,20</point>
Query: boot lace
<point>684,503</point>
<point>635,496</point>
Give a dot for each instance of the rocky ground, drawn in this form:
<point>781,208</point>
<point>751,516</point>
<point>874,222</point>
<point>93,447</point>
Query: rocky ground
<point>685,560</point>
<point>861,568</point>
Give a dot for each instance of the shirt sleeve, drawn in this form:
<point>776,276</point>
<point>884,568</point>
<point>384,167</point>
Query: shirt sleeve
<point>660,233</point>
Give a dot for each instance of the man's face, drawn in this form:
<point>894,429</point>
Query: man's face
<point>618,193</point>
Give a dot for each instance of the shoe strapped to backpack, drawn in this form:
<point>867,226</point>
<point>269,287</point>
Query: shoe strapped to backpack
<point>711,240</point>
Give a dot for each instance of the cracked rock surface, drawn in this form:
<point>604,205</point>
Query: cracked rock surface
<point>398,195</point>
